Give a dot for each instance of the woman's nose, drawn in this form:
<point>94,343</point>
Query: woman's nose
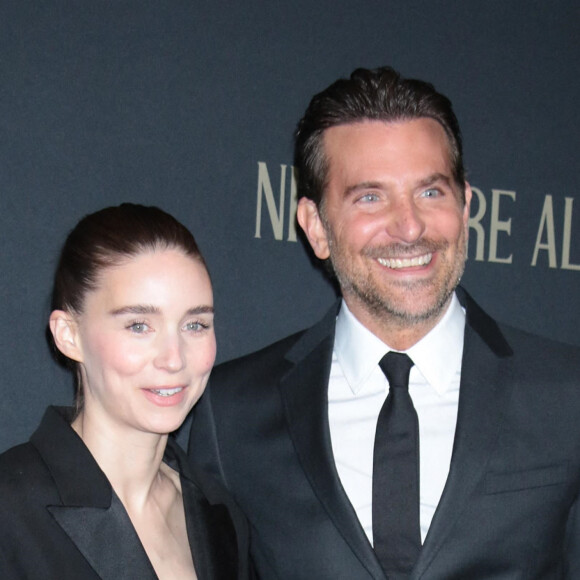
<point>170,356</point>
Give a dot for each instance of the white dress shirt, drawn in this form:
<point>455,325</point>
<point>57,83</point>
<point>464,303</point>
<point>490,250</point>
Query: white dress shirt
<point>358,388</point>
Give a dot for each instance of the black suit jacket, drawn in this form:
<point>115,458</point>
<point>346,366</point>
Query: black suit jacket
<point>61,520</point>
<point>509,507</point>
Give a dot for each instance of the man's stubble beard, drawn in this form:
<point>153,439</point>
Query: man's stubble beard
<point>377,301</point>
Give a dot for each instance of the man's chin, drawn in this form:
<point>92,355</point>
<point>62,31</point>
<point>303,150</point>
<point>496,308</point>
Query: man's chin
<point>408,308</point>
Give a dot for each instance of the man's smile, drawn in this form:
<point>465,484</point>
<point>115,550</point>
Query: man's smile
<point>396,263</point>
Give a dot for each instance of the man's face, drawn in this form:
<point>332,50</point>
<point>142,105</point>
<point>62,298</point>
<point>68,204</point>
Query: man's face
<point>392,220</point>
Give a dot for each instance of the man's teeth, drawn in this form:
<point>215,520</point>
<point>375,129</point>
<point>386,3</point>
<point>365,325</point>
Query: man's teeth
<point>405,262</point>
<point>167,392</point>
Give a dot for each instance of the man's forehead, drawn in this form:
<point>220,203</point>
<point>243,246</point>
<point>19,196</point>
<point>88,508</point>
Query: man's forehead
<point>374,141</point>
<point>343,130</point>
<point>381,141</point>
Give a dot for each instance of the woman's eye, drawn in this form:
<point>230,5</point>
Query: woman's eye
<point>138,327</point>
<point>194,326</point>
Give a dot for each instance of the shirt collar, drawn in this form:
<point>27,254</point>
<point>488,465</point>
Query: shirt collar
<point>437,355</point>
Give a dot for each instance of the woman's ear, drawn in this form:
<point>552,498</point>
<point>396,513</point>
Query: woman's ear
<point>65,332</point>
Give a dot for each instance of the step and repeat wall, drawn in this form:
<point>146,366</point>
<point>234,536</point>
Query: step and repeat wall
<point>191,106</point>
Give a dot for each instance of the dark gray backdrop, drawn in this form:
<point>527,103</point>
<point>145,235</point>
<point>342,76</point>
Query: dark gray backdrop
<point>179,104</point>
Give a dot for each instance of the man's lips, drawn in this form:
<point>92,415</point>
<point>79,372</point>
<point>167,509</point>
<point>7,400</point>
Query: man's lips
<point>396,263</point>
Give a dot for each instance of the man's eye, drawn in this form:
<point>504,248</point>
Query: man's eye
<point>430,193</point>
<point>369,197</point>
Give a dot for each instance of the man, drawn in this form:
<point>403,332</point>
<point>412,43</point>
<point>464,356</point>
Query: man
<point>490,490</point>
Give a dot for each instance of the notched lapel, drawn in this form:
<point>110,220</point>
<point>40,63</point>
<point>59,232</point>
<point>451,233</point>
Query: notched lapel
<point>305,395</point>
<point>486,384</point>
<point>107,539</point>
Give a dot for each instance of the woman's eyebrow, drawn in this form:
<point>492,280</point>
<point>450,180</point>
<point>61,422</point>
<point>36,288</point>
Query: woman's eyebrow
<point>136,309</point>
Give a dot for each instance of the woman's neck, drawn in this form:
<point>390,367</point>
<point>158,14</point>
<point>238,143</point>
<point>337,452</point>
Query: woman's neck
<point>131,459</point>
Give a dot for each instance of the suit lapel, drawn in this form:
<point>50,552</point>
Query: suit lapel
<point>90,513</point>
<point>485,385</point>
<point>107,540</point>
<point>304,391</point>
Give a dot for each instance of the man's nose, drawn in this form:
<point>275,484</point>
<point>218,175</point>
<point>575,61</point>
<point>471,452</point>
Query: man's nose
<point>405,222</point>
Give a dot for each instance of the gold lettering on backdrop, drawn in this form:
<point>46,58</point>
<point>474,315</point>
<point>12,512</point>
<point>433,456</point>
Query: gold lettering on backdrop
<point>547,224</point>
<point>475,223</point>
<point>265,189</point>
<point>282,214</point>
<point>567,236</point>
<point>276,214</point>
<point>293,204</point>
<point>498,225</point>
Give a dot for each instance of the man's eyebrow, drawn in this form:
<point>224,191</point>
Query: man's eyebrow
<point>434,178</point>
<point>363,185</point>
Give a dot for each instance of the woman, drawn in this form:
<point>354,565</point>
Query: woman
<point>101,491</point>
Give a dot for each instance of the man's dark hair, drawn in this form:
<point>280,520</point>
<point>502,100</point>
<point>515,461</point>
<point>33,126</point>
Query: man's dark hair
<point>369,95</point>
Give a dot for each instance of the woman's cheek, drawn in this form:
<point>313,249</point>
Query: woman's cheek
<point>126,358</point>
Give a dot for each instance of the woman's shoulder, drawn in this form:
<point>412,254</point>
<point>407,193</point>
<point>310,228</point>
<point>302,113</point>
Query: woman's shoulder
<point>25,483</point>
<point>19,465</point>
<point>26,470</point>
<point>17,461</point>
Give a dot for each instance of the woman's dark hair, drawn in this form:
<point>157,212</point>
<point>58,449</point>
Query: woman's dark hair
<point>369,95</point>
<point>107,238</point>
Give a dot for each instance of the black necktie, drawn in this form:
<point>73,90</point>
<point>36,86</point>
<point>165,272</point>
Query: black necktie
<point>396,530</point>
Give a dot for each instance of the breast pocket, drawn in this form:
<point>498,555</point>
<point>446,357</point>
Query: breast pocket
<point>501,482</point>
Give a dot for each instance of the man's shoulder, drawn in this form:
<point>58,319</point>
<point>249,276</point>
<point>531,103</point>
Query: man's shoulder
<point>511,342</point>
<point>236,385</point>
<point>520,335</point>
<point>538,349</point>
<point>268,357</point>
<point>535,360</point>
<point>277,357</point>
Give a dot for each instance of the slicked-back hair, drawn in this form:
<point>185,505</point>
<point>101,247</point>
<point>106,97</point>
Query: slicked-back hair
<point>380,94</point>
<point>105,239</point>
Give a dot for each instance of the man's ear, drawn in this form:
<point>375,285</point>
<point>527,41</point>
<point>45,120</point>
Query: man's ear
<point>310,221</point>
<point>466,208</point>
<point>66,334</point>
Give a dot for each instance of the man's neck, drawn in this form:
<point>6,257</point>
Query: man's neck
<point>399,333</point>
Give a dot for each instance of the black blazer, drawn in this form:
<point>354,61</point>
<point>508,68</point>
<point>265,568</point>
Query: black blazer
<point>61,520</point>
<point>509,507</point>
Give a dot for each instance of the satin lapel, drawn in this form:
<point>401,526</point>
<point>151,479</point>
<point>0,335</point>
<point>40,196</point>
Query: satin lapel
<point>485,385</point>
<point>91,514</point>
<point>106,539</point>
<point>305,394</point>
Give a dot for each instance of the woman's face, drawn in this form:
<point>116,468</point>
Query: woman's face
<point>146,342</point>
